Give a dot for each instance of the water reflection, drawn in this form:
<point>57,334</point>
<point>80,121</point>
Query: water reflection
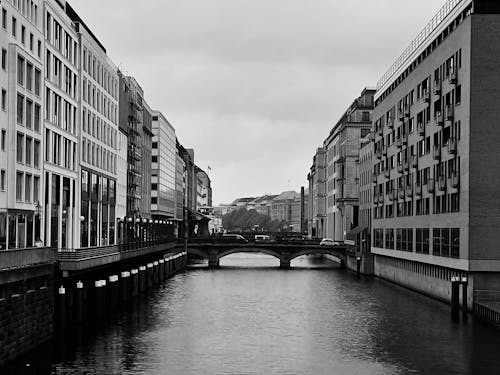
<point>250,317</point>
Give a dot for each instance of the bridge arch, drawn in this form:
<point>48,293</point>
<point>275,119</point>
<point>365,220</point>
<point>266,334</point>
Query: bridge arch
<point>337,254</point>
<point>249,249</point>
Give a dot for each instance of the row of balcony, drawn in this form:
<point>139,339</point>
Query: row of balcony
<point>408,191</point>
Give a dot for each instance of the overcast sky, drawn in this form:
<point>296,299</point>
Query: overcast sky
<point>254,86</point>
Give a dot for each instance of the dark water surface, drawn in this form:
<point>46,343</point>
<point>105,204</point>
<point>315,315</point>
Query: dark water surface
<point>250,317</point>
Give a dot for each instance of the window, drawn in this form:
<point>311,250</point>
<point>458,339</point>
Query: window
<point>4,18</point>
<point>23,34</point>
<point>31,42</point>
<point>27,189</point>
<point>3,140</point>
<point>2,180</point>
<point>20,70</point>
<point>20,147</point>
<point>20,109</point>
<point>36,154</point>
<point>36,188</point>
<point>4,59</point>
<point>29,76</point>
<point>19,186</point>
<point>37,118</point>
<point>29,145</point>
<point>29,113</point>
<point>39,49</point>
<point>14,26</point>
<point>4,99</point>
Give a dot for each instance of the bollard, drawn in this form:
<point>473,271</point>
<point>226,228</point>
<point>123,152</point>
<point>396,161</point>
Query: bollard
<point>142,279</point>
<point>61,323</point>
<point>358,266</point>
<point>156,277</point>
<point>113,291</point>
<point>79,300</point>
<point>124,286</point>
<point>149,276</point>
<point>99,298</point>
<point>161,269</point>
<point>134,276</point>
<point>465,311</point>
<point>455,303</point>
<point>169,267</point>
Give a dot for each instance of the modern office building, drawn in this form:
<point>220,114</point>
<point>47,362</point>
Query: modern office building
<point>317,196</point>
<point>180,167</point>
<point>98,139</point>
<point>342,158</point>
<point>163,175</point>
<point>435,206</point>
<point>146,156</point>
<point>21,129</point>
<point>62,126</point>
<point>365,177</point>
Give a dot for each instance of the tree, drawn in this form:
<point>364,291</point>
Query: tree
<point>246,220</point>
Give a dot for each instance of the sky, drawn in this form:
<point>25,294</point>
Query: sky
<point>254,86</point>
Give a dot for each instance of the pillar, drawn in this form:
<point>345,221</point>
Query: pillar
<point>213,262</point>
<point>113,291</point>
<point>149,276</point>
<point>142,279</point>
<point>455,303</point>
<point>79,303</point>
<point>464,298</point>
<point>169,267</point>
<point>161,269</point>
<point>124,286</point>
<point>284,263</point>
<point>61,304</point>
<point>156,271</point>
<point>99,297</point>
<point>134,280</point>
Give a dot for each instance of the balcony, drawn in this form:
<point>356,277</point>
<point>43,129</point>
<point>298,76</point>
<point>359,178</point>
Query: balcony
<point>452,146</point>
<point>453,78</point>
<point>387,173</point>
<point>414,161</point>
<point>442,183</point>
<point>401,114</point>
<point>392,195</point>
<point>450,112</point>
<point>374,177</point>
<point>421,128</point>
<point>381,199</point>
<point>418,189</point>
<point>439,118</point>
<point>454,180</point>
<point>409,191</point>
<point>426,95</point>
<point>436,152</point>
<point>437,87</point>
<point>390,122</point>
<point>400,167</point>
<point>401,191</point>
<point>431,185</point>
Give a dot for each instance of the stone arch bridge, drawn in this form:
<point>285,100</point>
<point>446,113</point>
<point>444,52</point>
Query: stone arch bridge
<point>284,252</point>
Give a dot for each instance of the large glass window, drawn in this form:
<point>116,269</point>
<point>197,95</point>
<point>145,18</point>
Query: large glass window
<point>93,224</point>
<point>19,186</point>
<point>455,243</point>
<point>84,228</point>
<point>20,109</point>
<point>20,70</point>
<point>3,230</point>
<point>20,148</point>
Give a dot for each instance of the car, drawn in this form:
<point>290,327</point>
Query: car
<point>262,238</point>
<point>329,242</point>
<point>234,238</point>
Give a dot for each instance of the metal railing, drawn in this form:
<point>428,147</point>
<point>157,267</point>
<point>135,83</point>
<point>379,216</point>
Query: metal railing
<point>20,258</point>
<point>434,23</point>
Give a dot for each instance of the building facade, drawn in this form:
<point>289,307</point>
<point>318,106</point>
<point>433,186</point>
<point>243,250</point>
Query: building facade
<point>98,139</point>
<point>62,127</point>
<point>435,212</point>
<point>342,160</point>
<point>164,159</point>
<point>21,139</point>
<point>317,196</point>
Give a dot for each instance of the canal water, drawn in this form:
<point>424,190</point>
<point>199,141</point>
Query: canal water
<point>250,317</point>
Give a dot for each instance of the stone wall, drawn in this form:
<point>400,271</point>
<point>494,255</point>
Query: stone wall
<point>26,321</point>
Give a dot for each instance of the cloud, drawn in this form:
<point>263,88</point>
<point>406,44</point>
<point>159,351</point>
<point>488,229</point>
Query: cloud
<point>254,86</point>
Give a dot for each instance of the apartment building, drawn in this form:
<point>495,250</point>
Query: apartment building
<point>98,139</point>
<point>180,167</point>
<point>317,196</point>
<point>21,141</point>
<point>163,169</point>
<point>203,189</point>
<point>146,156</point>
<point>342,160</point>
<point>365,177</point>
<point>62,127</point>
<point>435,206</point>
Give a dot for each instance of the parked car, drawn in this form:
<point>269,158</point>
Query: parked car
<point>262,238</point>
<point>329,242</point>
<point>234,238</point>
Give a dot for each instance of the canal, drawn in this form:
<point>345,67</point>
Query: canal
<point>250,317</point>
